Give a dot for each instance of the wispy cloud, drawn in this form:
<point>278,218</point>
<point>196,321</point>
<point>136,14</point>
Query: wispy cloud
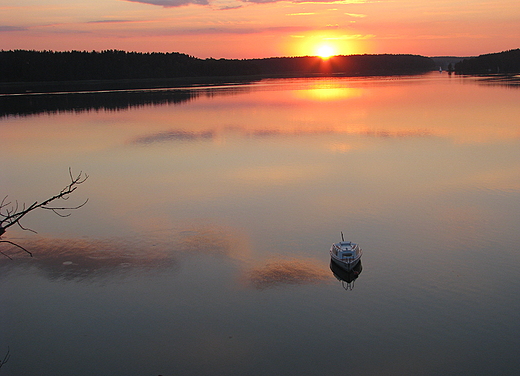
<point>178,3</point>
<point>171,3</point>
<point>355,15</point>
<point>231,7</point>
<point>307,1</point>
<point>329,1</point>
<point>228,30</point>
<point>110,21</point>
<point>11,28</point>
<point>301,14</point>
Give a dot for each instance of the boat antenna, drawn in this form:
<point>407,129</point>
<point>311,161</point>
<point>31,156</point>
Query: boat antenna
<point>342,238</point>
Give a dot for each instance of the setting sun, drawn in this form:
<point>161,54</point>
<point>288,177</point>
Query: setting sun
<point>325,51</point>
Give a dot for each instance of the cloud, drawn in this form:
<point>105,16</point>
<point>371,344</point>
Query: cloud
<point>11,28</point>
<point>231,7</point>
<point>355,15</point>
<point>178,3</point>
<point>301,14</point>
<point>171,3</point>
<point>110,21</point>
<point>307,1</point>
<point>236,31</point>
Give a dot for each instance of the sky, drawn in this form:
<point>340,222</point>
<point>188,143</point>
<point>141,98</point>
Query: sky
<point>240,29</point>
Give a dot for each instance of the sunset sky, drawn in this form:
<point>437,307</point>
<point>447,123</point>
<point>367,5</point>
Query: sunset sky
<point>263,28</point>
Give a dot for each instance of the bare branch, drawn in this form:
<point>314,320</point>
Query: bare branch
<point>25,228</point>
<point>11,214</point>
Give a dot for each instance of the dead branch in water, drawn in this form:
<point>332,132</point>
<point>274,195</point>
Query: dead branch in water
<point>12,213</point>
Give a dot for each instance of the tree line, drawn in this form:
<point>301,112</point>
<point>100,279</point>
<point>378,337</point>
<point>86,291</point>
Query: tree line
<point>44,66</point>
<point>501,62</point>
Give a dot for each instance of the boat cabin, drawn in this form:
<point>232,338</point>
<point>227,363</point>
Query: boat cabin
<point>345,250</point>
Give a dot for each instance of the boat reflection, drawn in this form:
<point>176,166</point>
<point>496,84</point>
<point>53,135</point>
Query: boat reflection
<point>346,277</point>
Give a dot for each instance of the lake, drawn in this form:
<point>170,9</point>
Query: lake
<point>204,246</point>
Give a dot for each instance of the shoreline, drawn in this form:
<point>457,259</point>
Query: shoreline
<point>55,87</point>
<point>64,87</point>
<point>92,86</point>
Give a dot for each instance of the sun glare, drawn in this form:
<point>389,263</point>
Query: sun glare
<point>325,51</point>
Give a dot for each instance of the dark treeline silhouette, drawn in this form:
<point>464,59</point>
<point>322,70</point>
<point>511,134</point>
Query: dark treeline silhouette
<point>502,62</point>
<point>33,66</point>
<point>50,66</point>
<point>346,65</point>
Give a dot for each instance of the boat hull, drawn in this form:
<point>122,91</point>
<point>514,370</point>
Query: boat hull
<point>347,265</point>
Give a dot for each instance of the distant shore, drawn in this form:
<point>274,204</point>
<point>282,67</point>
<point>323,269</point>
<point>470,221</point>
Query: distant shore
<point>24,71</point>
<point>54,87</point>
<point>41,72</point>
<point>50,87</point>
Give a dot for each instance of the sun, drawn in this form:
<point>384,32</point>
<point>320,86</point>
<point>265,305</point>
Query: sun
<point>325,51</point>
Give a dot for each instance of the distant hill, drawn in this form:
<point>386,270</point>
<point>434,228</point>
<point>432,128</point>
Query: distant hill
<point>47,66</point>
<point>502,62</point>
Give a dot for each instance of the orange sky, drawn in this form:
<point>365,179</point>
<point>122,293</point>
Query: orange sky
<point>262,28</point>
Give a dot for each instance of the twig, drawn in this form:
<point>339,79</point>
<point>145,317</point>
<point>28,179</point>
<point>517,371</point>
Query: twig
<point>12,214</point>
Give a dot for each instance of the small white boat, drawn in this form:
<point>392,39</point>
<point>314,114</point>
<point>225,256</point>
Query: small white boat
<point>346,254</point>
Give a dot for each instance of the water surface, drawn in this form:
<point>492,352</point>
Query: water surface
<point>203,249</point>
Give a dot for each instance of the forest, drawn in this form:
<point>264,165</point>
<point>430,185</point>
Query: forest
<point>502,62</point>
<point>46,66</point>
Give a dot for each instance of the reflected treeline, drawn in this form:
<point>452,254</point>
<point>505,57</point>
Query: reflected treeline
<point>502,80</point>
<point>284,272</point>
<point>24,105</point>
<point>346,277</point>
<point>34,104</point>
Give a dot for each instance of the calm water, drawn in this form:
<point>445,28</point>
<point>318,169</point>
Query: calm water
<point>203,249</point>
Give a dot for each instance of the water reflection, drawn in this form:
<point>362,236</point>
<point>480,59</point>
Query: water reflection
<point>80,259</point>
<point>34,104</point>
<point>285,272</point>
<point>346,277</point>
<point>201,234</point>
<point>173,136</point>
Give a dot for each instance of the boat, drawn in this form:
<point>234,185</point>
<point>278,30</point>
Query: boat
<point>345,254</point>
